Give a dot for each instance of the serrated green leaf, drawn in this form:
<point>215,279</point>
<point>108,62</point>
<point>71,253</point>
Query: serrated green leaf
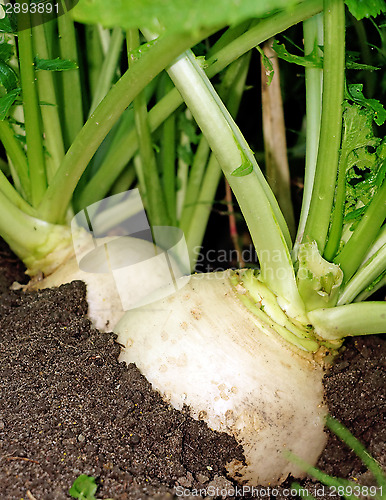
<point>365,8</point>
<point>312,60</point>
<point>54,64</point>
<point>7,101</point>
<point>360,66</point>
<point>362,158</point>
<point>352,62</point>
<point>8,78</point>
<point>175,15</point>
<point>6,51</point>
<point>84,488</point>
<point>315,60</point>
<point>244,169</point>
<point>356,94</point>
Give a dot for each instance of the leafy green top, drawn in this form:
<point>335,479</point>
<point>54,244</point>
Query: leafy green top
<point>366,8</point>
<point>175,15</point>
<point>362,152</point>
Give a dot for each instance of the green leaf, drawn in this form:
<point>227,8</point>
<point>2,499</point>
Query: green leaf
<point>312,60</point>
<point>352,62</point>
<point>7,101</point>
<point>356,94</point>
<point>362,157</point>
<point>8,78</point>
<point>84,488</point>
<point>365,8</point>
<point>8,24</point>
<point>6,51</point>
<point>315,60</point>
<point>244,169</point>
<point>54,64</point>
<point>175,15</point>
<point>359,66</point>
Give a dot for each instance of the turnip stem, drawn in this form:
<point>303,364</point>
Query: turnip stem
<point>349,320</point>
<point>49,108</point>
<point>10,192</point>
<point>168,157</point>
<point>203,184</point>
<point>321,477</point>
<point>154,197</point>
<point>72,92</point>
<point>318,220</point>
<point>30,238</point>
<point>108,68</point>
<point>125,181</point>
<point>373,268</point>
<point>182,165</point>
<point>337,216</point>
<point>18,158</point>
<point>275,143</point>
<point>193,192</point>
<point>95,57</point>
<point>313,36</point>
<point>202,209</point>
<point>369,291</point>
<point>32,118</point>
<point>59,192</point>
<point>221,131</point>
<point>104,178</point>
<point>265,222</point>
<point>231,90</point>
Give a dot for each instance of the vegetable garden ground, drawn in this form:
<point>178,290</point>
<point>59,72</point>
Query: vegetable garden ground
<point>68,407</point>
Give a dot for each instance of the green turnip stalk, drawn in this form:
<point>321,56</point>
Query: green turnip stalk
<point>313,36</point>
<point>99,185</point>
<point>108,69</point>
<point>36,159</point>
<point>49,113</point>
<point>318,219</point>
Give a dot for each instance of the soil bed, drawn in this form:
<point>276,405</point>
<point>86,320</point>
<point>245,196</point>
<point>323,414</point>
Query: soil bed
<point>68,407</point>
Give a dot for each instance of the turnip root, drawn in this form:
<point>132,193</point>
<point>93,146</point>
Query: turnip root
<point>202,347</point>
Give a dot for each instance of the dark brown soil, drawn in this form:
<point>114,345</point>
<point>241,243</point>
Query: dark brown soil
<point>68,408</point>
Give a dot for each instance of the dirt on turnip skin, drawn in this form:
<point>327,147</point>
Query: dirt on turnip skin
<point>68,407</point>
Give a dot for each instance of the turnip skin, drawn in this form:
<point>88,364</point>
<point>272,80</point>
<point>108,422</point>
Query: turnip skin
<point>201,347</point>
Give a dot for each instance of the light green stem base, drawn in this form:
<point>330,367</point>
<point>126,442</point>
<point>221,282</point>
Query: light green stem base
<point>264,304</point>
